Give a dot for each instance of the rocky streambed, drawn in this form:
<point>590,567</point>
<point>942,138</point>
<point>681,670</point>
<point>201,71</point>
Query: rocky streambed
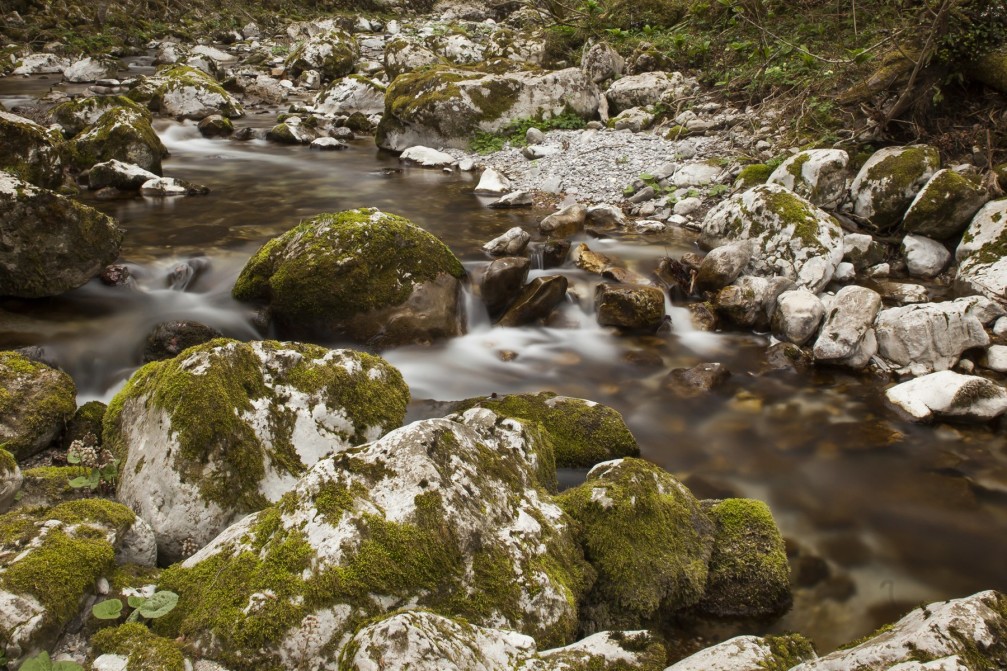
<point>395,405</point>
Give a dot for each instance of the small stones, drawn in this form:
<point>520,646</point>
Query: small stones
<point>696,381</point>
<point>511,243</point>
<point>328,144</point>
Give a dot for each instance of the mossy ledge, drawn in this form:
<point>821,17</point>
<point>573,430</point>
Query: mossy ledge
<point>145,650</point>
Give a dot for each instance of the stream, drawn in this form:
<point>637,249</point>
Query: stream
<point>901,513</point>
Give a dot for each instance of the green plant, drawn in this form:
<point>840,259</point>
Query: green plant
<point>157,605</point>
<point>515,132</point>
<point>41,662</point>
<point>104,467</point>
<point>718,189</point>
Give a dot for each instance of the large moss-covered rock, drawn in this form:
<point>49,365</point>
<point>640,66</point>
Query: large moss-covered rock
<point>354,93</point>
<point>445,514</point>
<point>792,237</point>
<point>982,253</point>
<point>142,649</point>
<point>405,54</point>
<point>36,401</point>
<point>445,105</point>
<point>184,92</point>
<point>889,181</point>
<point>819,175</point>
<point>749,575</point>
<point>30,151</point>
<point>419,640</point>
<point>648,539</point>
<point>75,115</point>
<point>51,244</point>
<point>226,428</point>
<point>366,274</point>
<point>121,133</point>
<point>945,205</point>
<point>583,432</point>
<point>333,54</point>
<point>748,653</point>
<point>990,69</point>
<point>966,633</point>
<point>52,560</point>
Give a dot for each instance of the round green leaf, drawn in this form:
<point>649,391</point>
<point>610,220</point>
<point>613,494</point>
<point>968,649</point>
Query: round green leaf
<point>40,662</point>
<point>136,601</point>
<point>109,609</point>
<point>158,605</point>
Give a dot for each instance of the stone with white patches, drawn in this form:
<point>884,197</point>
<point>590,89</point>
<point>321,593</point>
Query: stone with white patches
<point>698,173</point>
<point>332,53</point>
<point>40,64</point>
<point>982,262</point>
<point>797,317</point>
<point>945,205</point>
<point>847,338</point>
<point>819,175</point>
<point>890,179</point>
<point>948,394</point>
<point>123,176</point>
<point>279,408</point>
<point>187,93</point>
<point>90,69</point>
<point>741,653</point>
<point>511,243</point>
<point>354,93</point>
<point>30,151</point>
<point>427,157</point>
<point>492,183</point>
<point>928,337</point>
<point>121,133</point>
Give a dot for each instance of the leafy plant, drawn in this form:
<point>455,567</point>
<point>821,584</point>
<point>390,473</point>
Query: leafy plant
<point>156,605</point>
<point>41,662</point>
<point>110,609</point>
<point>104,467</point>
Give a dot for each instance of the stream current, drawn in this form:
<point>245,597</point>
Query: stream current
<point>900,513</point>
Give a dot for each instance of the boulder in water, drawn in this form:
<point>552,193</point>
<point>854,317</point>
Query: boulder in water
<point>30,151</point>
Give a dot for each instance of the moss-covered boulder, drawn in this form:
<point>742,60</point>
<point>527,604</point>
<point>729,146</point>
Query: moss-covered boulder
<point>354,93</point>
<point>990,69</point>
<point>945,205</point>
<point>792,237</point>
<point>965,633</point>
<point>51,244</point>
<point>86,420</point>
<point>420,640</point>
<point>442,514</point>
<point>366,274</point>
<point>747,653</point>
<point>52,559</point>
<point>36,401</point>
<point>405,54</point>
<point>583,433</point>
<point>11,480</point>
<point>333,54</point>
<point>123,134</point>
<point>184,92</point>
<point>446,105</point>
<point>50,485</point>
<point>142,649</point>
<point>889,181</point>
<point>30,151</point>
<point>647,537</point>
<point>819,175</point>
<point>982,253</point>
<point>749,575</point>
<point>75,115</point>
<point>226,428</point>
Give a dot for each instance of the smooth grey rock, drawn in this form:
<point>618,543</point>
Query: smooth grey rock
<point>928,337</point>
<point>848,337</point>
<point>427,157</point>
<point>996,358</point>
<point>632,307</point>
<point>606,216</point>
<point>797,317</point>
<point>601,62</point>
<point>502,283</point>
<point>924,257</point>
<point>723,265</point>
<point>513,199</point>
<point>354,93</point>
<point>862,251</point>
<point>492,183</point>
<point>564,223</point>
<point>511,243</point>
<point>697,173</point>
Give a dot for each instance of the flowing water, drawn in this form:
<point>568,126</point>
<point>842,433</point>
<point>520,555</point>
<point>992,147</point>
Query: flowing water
<point>901,513</point>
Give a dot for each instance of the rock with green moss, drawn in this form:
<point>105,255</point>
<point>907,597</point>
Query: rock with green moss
<point>51,244</point>
<point>366,274</point>
<point>226,428</point>
<point>123,134</point>
<point>967,633</point>
<point>820,175</point>
<point>750,175</point>
<point>75,115</point>
<point>420,640</point>
<point>11,479</point>
<point>30,151</point>
<point>354,93</point>
<point>36,401</point>
<point>583,433</point>
<point>292,131</point>
<point>990,69</point>
<point>982,253</point>
<point>50,486</point>
<point>648,539</point>
<point>945,205</point>
<point>405,54</point>
<point>52,559</point>
<point>442,514</point>
<point>446,105</point>
<point>645,89</point>
<point>748,653</point>
<point>86,420</point>
<point>749,575</point>
<point>333,54</point>
<point>792,237</point>
<point>889,181</point>
<point>142,649</point>
<point>184,92</point>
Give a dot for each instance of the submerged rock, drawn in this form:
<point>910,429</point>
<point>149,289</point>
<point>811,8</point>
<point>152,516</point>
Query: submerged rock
<point>30,151</point>
<point>947,394</point>
<point>696,381</point>
<point>119,175</point>
<point>629,306</point>
<point>791,237</point>
<point>890,179</point>
<point>372,276</point>
<point>583,433</point>
<point>168,339</point>
<point>502,282</point>
<point>51,244</point>
<point>36,401</point>
<point>536,301</point>
<point>226,428</point>
<point>444,514</point>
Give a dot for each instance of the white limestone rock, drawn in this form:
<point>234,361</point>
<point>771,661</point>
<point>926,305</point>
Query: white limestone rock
<point>642,90</point>
<point>90,69</point>
<point>848,337</point>
<point>427,157</point>
<point>40,64</point>
<point>120,175</point>
<point>819,175</point>
<point>928,337</point>
<point>741,653</point>
<point>354,93</point>
<point>511,243</point>
<point>924,257</point>
<point>492,183</point>
<point>798,315</point>
<point>947,394</point>
<point>981,254</point>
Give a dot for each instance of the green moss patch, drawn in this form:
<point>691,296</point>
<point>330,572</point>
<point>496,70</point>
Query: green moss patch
<point>146,651</point>
<point>35,402</point>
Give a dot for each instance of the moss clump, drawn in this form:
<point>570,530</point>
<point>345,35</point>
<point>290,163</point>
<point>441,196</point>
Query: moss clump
<point>8,463</point>
<point>336,266</point>
<point>48,485</point>
<point>646,536</point>
<point>796,213</point>
<point>753,175</point>
<point>123,134</point>
<point>102,511</point>
<point>749,574</point>
<point>333,54</point>
<point>30,152</point>
<point>76,115</point>
<point>583,433</point>
<point>35,403</point>
<point>786,652</point>
<point>146,651</point>
<point>945,205</point>
<point>86,420</point>
<point>220,450</point>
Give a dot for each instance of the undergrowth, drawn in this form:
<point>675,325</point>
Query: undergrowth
<point>515,132</point>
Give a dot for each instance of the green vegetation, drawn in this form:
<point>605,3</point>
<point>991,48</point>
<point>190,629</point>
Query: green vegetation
<point>145,650</point>
<point>515,132</point>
